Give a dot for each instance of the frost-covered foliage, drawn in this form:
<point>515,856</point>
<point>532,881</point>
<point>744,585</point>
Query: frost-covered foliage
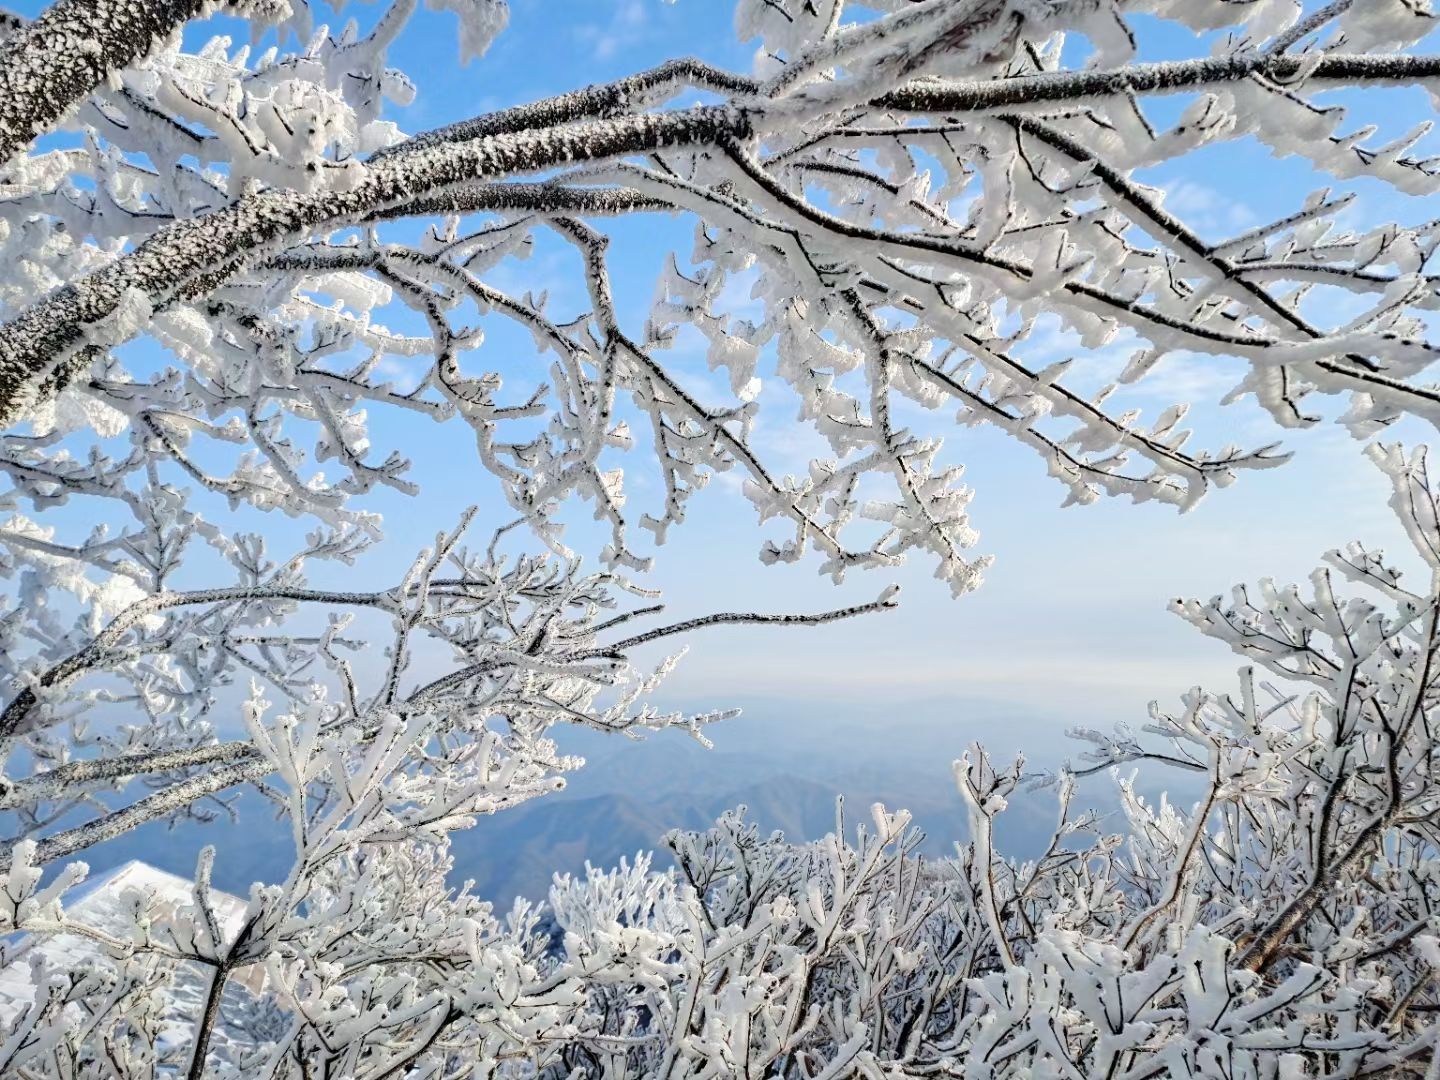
<point>906,188</point>
<point>1285,926</point>
<point>210,275</point>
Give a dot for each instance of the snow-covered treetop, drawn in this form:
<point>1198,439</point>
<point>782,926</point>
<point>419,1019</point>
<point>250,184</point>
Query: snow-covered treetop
<point>1287,925</point>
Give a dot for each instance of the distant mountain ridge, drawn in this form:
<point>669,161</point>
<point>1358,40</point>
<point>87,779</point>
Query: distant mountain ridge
<point>516,853</point>
<point>785,767</point>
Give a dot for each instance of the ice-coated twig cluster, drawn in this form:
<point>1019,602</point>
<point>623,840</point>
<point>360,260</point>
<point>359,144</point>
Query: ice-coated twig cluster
<point>1284,926</point>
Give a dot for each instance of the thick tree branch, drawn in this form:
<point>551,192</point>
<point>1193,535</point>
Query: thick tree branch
<point>190,258</point>
<point>1167,77</point>
<point>51,65</point>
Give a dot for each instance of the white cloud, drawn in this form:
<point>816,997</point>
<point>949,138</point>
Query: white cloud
<point>1210,212</point>
<point>627,27</point>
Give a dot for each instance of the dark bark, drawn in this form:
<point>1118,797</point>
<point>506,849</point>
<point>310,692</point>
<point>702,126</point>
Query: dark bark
<point>198,255</point>
<point>49,66</point>
<point>1159,78</point>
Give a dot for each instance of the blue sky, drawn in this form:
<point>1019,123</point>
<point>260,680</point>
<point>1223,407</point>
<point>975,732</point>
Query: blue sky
<point>1071,626</point>
<point>1071,623</point>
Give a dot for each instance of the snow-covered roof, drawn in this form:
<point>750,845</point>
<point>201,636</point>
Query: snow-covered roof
<point>98,903</point>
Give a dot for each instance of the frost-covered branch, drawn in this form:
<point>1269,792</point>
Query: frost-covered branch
<point>49,66</point>
<point>547,665</point>
<point>938,184</point>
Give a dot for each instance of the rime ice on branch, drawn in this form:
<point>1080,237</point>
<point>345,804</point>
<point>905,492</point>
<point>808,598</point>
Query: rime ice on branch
<point>907,196</point>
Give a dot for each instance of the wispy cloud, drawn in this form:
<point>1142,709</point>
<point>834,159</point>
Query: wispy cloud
<point>628,26</point>
<point>1208,210</point>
